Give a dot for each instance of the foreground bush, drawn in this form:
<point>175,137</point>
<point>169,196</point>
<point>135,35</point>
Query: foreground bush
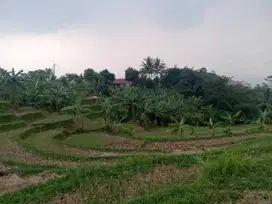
<point>228,166</point>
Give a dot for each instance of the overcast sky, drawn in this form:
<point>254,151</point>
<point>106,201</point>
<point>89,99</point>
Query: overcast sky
<point>232,37</point>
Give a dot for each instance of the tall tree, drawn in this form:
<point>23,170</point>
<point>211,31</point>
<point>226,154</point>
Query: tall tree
<point>108,76</point>
<point>132,75</point>
<point>147,67</point>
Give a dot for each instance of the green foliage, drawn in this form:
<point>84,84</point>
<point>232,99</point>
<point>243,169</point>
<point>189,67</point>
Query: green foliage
<point>179,126</point>
<point>230,118</point>
<point>228,166</point>
<point>11,126</point>
<point>79,111</point>
<point>214,125</point>
<point>120,128</point>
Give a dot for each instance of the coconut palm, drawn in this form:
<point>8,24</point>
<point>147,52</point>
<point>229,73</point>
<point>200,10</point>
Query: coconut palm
<point>147,67</point>
<point>158,67</point>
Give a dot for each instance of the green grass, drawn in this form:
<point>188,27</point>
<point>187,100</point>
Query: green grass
<point>53,122</point>
<point>5,106</point>
<point>8,118</point>
<point>164,134</point>
<point>30,169</point>
<point>224,176</point>
<point>75,178</point>
<point>93,140</point>
<point>12,126</point>
<point>32,115</point>
<point>43,144</point>
<point>219,175</point>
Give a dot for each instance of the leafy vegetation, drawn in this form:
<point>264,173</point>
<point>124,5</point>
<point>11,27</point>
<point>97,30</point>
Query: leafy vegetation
<point>128,143</point>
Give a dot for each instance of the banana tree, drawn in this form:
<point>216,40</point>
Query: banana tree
<point>230,120</point>
<point>262,119</point>
<point>180,126</point>
<point>12,81</point>
<point>213,125</point>
<point>111,112</point>
<point>56,96</point>
<point>79,111</point>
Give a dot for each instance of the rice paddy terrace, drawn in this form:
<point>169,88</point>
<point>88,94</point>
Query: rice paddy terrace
<point>43,160</point>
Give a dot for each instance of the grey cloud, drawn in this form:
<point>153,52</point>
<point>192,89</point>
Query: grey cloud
<point>229,37</point>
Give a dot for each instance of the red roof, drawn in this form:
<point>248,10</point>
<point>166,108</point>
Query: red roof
<point>121,81</point>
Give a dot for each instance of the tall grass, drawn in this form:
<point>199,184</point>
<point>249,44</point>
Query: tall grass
<point>228,166</point>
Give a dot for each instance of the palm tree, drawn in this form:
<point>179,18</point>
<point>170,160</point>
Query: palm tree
<point>12,81</point>
<point>158,67</point>
<point>179,126</point>
<point>147,67</point>
<point>79,111</point>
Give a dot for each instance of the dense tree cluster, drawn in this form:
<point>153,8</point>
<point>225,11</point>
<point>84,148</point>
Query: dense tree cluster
<point>157,95</point>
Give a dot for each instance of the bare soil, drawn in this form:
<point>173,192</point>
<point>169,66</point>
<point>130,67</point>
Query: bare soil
<point>126,144</point>
<point>256,197</point>
<point>196,145</point>
<point>13,182</point>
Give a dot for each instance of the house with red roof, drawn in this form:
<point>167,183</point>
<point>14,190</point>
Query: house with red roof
<point>121,82</point>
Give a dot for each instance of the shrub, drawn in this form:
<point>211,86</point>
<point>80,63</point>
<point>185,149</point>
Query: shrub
<point>120,128</point>
<point>228,131</point>
<point>231,165</point>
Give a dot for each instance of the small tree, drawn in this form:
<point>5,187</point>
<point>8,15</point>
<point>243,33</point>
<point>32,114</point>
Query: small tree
<point>179,126</point>
<point>262,119</point>
<point>213,125</point>
<point>230,120</point>
<point>79,111</point>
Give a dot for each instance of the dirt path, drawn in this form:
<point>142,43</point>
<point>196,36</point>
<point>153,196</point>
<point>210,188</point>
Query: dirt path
<point>13,182</point>
<point>196,145</point>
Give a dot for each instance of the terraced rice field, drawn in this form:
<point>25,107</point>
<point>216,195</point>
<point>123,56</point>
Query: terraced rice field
<point>41,164</point>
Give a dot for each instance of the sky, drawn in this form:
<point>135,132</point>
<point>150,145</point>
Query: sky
<point>232,37</point>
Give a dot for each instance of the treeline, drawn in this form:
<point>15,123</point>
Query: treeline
<point>198,89</point>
